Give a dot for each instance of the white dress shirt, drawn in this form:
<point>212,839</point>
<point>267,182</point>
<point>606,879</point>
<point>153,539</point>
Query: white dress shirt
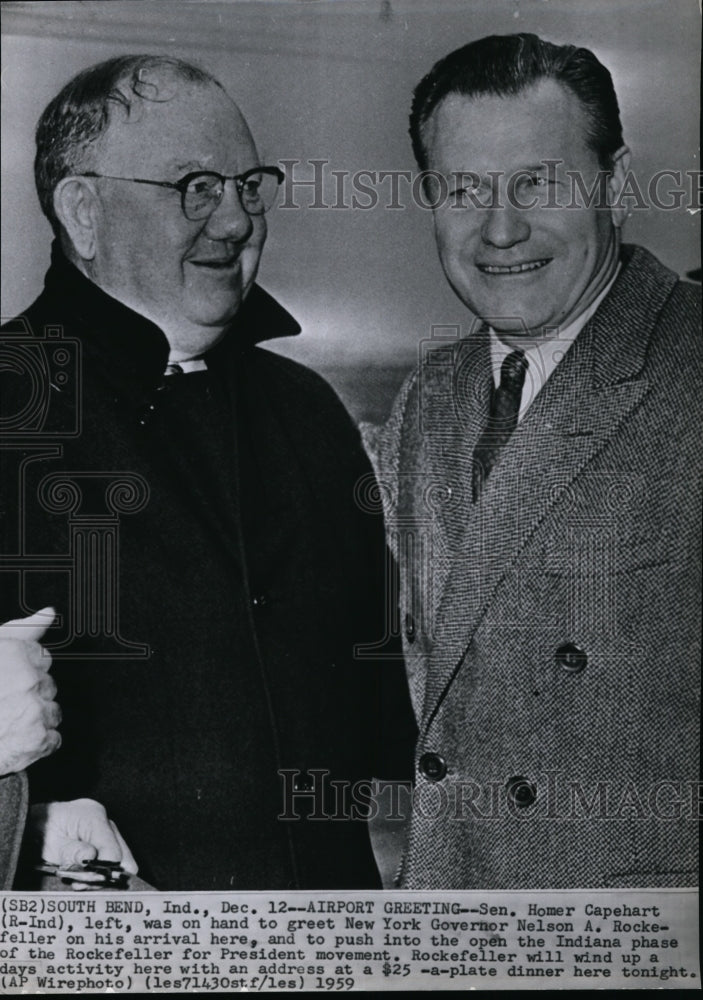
<point>543,354</point>
<point>186,365</point>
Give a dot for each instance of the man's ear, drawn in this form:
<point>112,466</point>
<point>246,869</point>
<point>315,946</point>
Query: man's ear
<point>616,182</point>
<point>76,204</point>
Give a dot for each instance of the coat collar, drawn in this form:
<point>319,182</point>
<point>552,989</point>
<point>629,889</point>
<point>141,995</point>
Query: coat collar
<point>592,391</point>
<point>134,351</point>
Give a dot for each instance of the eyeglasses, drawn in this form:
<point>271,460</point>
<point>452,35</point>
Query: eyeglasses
<point>202,192</point>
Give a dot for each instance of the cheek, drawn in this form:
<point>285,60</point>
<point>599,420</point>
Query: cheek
<point>450,241</point>
<point>251,254</point>
<point>162,274</point>
<point>259,233</point>
<point>156,237</point>
<point>580,232</point>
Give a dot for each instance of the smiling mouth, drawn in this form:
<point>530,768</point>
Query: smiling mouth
<point>531,265</point>
<point>217,265</point>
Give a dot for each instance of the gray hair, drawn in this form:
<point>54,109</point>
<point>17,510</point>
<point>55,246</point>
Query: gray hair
<point>80,113</point>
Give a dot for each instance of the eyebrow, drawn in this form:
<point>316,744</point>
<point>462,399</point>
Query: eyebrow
<point>536,167</point>
<point>527,169</point>
<point>190,166</point>
<point>194,166</point>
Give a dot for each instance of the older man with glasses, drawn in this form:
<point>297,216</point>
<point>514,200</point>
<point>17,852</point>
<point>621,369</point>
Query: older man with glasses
<point>214,657</point>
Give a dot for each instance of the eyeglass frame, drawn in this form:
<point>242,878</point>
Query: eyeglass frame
<point>182,185</point>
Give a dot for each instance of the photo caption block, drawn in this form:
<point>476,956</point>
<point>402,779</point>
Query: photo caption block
<point>222,942</point>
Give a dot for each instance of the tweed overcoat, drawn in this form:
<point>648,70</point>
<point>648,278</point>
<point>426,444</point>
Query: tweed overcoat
<point>552,630</point>
<point>13,808</point>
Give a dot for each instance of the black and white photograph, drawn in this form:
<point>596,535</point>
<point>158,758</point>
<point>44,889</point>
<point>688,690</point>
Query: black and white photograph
<point>351,477</point>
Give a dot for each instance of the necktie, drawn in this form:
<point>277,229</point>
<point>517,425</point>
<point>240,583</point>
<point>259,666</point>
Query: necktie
<point>502,418</point>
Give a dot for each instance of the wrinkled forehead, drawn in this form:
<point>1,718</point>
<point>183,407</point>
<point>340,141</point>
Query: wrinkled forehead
<point>164,121</point>
<point>544,120</point>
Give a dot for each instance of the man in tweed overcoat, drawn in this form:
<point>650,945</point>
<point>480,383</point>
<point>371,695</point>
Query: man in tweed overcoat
<point>550,552</point>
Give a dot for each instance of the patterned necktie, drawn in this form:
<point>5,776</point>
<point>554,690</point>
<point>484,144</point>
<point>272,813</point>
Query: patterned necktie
<point>502,419</point>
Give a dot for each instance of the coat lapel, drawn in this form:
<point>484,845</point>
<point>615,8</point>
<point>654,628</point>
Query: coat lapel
<point>439,436</point>
<point>592,391</point>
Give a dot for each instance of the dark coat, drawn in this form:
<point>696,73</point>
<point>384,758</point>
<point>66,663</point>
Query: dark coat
<point>553,629</point>
<point>245,569</point>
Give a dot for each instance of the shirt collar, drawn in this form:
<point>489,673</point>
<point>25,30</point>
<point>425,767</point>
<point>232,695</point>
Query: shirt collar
<point>185,366</point>
<point>544,354</point>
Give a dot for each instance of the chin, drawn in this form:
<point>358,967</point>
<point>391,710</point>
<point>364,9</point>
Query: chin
<point>530,321</point>
<point>217,313</point>
<point>209,324</point>
<point>197,338</point>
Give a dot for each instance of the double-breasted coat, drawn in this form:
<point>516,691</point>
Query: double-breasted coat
<point>552,629</point>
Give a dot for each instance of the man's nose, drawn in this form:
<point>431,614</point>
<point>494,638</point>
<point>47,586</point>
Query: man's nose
<point>505,225</point>
<point>229,221</point>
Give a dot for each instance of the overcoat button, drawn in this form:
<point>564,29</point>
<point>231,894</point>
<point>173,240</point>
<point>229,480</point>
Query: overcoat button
<point>433,766</point>
<point>521,791</point>
<point>409,627</point>
<point>571,658</point>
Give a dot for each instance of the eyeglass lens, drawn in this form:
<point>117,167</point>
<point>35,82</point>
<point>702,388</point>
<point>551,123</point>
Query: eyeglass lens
<point>203,194</point>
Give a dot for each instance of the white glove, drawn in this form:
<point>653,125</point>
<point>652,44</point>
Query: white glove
<point>71,832</point>
<point>28,713</point>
